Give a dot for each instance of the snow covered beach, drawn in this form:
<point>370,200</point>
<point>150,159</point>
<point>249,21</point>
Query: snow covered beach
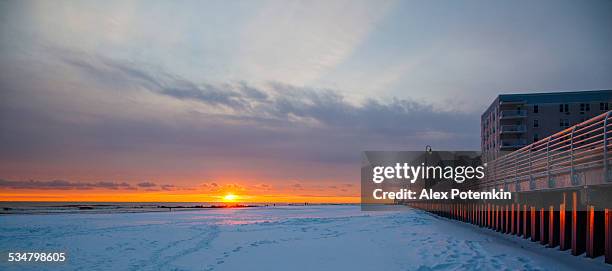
<point>273,238</point>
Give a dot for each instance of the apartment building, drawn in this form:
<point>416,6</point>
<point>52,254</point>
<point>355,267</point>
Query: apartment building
<point>513,121</point>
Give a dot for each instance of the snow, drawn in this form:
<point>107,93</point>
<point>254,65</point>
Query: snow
<point>274,238</point>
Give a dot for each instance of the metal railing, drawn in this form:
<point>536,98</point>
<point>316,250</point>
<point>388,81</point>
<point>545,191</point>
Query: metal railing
<point>521,128</point>
<point>512,113</point>
<point>570,152</point>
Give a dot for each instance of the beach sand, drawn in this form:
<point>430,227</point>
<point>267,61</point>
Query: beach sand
<point>274,238</point>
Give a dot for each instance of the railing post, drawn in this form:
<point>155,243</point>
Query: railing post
<point>605,146</point>
<point>572,154</point>
<point>490,171</point>
<point>548,159</point>
<point>530,163</point>
<point>493,165</point>
<point>515,168</point>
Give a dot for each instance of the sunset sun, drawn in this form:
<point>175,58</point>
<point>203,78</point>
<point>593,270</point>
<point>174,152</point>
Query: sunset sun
<point>230,198</point>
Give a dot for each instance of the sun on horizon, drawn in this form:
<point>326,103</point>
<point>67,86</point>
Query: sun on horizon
<point>230,197</point>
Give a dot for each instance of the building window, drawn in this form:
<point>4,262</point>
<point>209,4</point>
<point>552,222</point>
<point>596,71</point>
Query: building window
<point>603,106</point>
<point>536,123</point>
<point>564,123</point>
<point>564,108</point>
<point>536,137</point>
<point>585,107</point>
<point>536,108</point>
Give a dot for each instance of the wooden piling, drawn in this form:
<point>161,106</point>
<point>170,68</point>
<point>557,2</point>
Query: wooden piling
<point>543,226</point>
<point>488,215</point>
<point>553,227</point>
<point>534,224</point>
<point>595,226</point>
<point>564,226</point>
<point>526,221</point>
<point>578,227</point>
<point>506,223</point>
<point>608,235</point>
<point>519,232</point>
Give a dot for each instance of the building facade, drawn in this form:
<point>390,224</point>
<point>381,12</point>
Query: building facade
<point>513,121</point>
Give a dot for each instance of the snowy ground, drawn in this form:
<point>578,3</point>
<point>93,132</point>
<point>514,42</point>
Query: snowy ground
<point>275,238</point>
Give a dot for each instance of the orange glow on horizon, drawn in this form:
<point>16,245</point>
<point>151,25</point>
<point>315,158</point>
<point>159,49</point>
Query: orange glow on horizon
<point>114,196</point>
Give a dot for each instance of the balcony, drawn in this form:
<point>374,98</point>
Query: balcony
<point>513,129</point>
<point>513,143</point>
<point>511,114</point>
<point>502,103</point>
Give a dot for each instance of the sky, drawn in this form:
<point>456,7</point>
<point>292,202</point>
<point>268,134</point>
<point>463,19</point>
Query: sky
<point>268,100</point>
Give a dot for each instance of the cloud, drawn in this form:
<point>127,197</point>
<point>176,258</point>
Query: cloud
<point>65,185</point>
<point>125,186</point>
<point>147,184</point>
<point>168,187</point>
<point>278,103</point>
